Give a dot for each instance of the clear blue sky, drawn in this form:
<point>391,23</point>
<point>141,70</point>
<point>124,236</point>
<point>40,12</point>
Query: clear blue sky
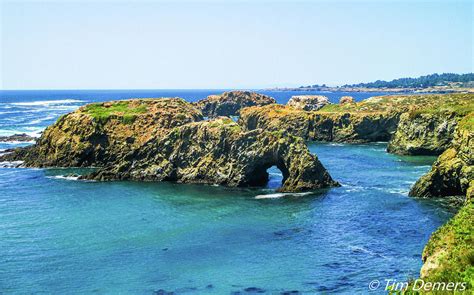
<point>152,44</point>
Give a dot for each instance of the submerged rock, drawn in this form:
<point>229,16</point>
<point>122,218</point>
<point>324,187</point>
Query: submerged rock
<point>230,103</point>
<point>308,102</point>
<point>219,152</point>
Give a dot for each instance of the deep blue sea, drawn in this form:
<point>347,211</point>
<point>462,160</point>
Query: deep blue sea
<point>63,236</point>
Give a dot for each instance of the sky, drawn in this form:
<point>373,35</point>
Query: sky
<point>222,44</point>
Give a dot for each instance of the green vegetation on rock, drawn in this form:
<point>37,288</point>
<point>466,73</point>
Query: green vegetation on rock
<point>126,110</point>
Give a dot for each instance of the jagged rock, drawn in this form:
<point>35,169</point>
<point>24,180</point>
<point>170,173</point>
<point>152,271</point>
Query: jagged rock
<point>230,103</point>
<point>23,137</point>
<point>308,102</point>
<point>346,100</point>
<point>219,152</point>
<point>100,133</point>
<point>453,171</point>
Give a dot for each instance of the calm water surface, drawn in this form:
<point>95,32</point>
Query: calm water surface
<point>65,236</point>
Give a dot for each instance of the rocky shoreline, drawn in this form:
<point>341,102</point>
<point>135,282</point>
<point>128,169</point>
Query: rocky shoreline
<point>168,139</point>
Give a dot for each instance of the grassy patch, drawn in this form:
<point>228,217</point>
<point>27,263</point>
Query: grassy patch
<point>467,123</point>
<point>123,109</point>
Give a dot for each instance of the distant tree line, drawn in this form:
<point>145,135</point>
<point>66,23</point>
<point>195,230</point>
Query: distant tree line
<point>423,81</point>
<point>420,82</point>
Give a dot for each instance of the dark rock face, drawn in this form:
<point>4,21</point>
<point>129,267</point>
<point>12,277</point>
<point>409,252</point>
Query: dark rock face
<point>230,103</point>
<point>17,137</point>
<point>219,152</point>
<point>423,134</point>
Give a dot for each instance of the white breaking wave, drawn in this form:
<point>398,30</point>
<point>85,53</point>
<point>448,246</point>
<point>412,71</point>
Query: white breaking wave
<point>46,102</point>
<point>280,195</point>
<point>64,177</point>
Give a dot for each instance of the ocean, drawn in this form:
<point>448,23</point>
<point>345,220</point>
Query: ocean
<point>63,236</point>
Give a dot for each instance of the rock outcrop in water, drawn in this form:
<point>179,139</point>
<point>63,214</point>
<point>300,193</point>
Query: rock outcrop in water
<point>230,103</point>
<point>166,140</point>
<point>23,137</point>
<point>219,152</point>
<point>308,102</point>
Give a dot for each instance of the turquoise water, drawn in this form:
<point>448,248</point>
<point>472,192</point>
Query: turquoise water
<point>64,236</point>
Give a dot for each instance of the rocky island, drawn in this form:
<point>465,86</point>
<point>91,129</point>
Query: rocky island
<point>166,139</point>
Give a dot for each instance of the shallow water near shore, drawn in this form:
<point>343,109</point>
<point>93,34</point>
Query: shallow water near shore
<point>60,235</point>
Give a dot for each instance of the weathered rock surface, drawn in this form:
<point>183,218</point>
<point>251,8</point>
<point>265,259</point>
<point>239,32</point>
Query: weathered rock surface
<point>346,100</point>
<point>423,134</point>
<point>308,102</point>
<point>230,103</point>
<point>453,171</point>
<point>101,133</point>
<point>23,137</point>
<point>219,152</point>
